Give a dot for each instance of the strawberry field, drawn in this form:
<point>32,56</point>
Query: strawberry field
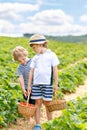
<point>72,73</point>
<point>73,118</point>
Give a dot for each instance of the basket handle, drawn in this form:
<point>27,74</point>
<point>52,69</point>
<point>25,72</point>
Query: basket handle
<point>28,98</point>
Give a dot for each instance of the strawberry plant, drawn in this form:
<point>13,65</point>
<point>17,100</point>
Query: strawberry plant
<point>69,78</point>
<point>74,117</point>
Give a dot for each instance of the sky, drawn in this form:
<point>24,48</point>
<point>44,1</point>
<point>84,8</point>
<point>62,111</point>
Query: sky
<point>48,17</point>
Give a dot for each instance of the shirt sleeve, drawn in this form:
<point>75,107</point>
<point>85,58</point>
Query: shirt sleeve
<point>33,62</point>
<point>55,60</point>
<point>19,71</point>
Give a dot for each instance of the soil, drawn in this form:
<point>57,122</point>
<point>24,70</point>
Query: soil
<point>23,124</point>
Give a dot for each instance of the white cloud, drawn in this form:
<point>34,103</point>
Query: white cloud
<point>52,22</point>
<point>74,29</point>
<point>83,18</point>
<point>10,15</point>
<point>68,29</point>
<point>18,7</point>
<point>14,11</point>
<point>6,27</point>
<point>51,17</point>
<point>49,22</point>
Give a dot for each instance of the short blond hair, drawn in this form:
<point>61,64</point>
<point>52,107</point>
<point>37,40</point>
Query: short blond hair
<point>19,51</point>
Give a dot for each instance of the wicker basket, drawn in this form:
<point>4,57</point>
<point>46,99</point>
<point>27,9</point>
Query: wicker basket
<point>56,104</point>
<point>26,109</point>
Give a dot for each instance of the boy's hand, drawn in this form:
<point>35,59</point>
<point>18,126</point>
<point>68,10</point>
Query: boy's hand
<point>25,93</point>
<point>29,90</point>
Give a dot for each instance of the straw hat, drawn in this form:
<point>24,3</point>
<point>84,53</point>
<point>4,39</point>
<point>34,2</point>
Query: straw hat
<point>37,39</point>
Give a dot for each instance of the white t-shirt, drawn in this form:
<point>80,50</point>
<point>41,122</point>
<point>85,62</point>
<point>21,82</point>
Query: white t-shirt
<point>42,64</point>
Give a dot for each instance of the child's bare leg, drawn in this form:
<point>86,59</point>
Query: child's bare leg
<point>49,114</point>
<point>37,114</point>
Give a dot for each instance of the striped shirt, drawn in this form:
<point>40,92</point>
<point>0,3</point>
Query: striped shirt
<point>24,71</point>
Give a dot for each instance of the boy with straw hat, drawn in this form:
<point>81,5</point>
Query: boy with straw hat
<point>43,64</point>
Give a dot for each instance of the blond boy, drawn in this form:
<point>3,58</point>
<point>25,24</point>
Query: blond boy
<point>20,54</point>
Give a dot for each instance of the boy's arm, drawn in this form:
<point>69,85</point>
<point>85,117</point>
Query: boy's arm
<point>55,75</point>
<point>30,80</point>
<point>21,81</point>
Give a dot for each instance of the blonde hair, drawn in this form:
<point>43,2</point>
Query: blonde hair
<point>19,51</point>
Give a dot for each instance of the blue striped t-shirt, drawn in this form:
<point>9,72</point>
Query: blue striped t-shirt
<point>24,71</point>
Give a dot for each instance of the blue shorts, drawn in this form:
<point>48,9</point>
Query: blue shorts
<point>31,101</point>
<point>44,92</point>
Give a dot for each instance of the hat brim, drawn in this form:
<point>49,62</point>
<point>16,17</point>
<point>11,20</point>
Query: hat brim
<point>39,42</point>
